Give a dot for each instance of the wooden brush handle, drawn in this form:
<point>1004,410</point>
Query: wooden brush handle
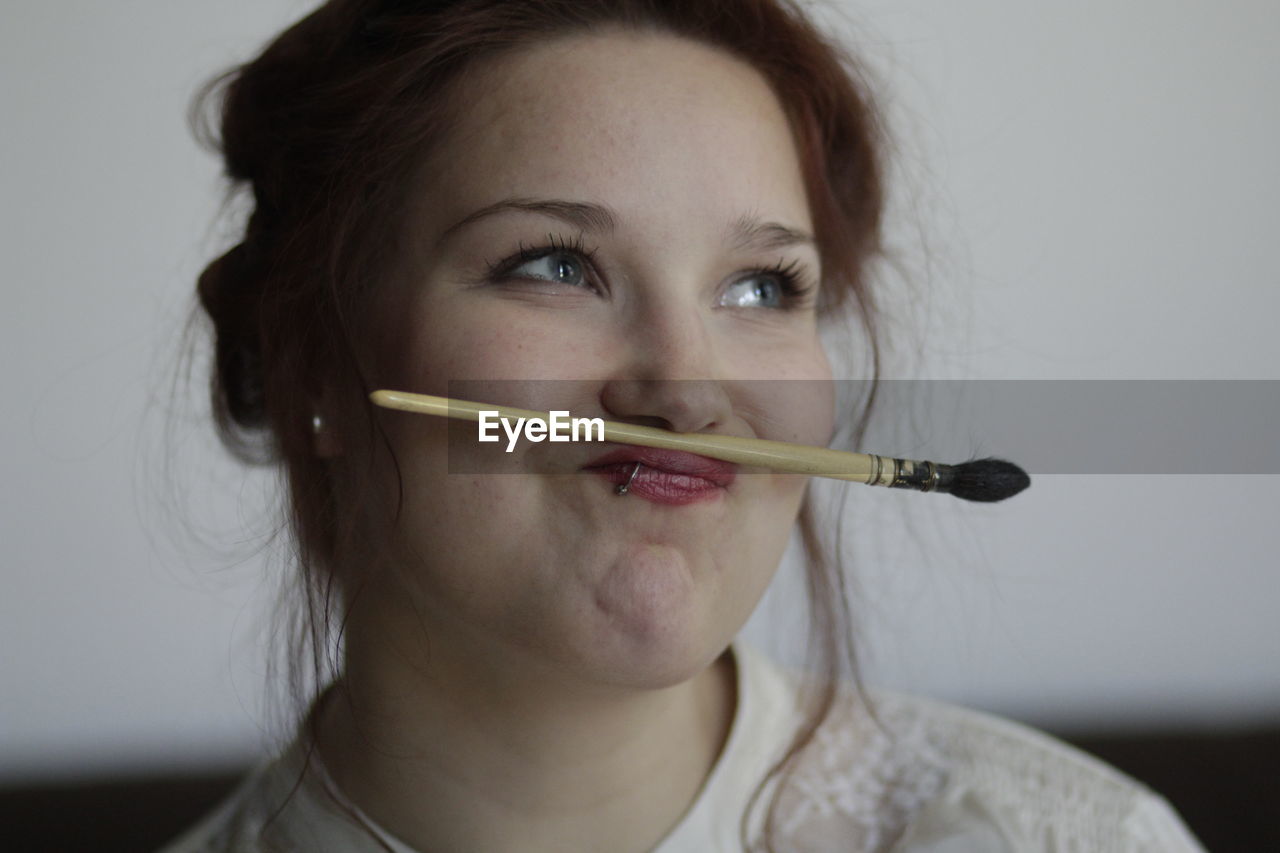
<point>777,455</point>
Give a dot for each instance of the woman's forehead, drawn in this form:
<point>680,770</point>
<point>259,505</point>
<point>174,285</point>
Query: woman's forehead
<point>657,127</point>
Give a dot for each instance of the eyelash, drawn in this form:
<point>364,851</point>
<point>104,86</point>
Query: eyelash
<point>790,277</point>
<point>554,245</point>
<point>795,287</point>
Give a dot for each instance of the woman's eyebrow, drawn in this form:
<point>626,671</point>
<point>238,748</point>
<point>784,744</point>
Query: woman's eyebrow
<point>748,232</point>
<point>584,215</point>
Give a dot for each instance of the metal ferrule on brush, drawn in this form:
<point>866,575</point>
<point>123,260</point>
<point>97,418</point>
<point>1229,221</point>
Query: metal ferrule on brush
<point>910,474</point>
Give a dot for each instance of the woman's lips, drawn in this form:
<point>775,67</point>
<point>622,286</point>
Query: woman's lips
<point>665,476</point>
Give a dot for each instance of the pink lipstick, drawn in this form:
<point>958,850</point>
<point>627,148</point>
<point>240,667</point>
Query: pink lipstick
<point>670,477</point>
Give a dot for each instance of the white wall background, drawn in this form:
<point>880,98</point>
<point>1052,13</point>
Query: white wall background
<point>1097,188</point>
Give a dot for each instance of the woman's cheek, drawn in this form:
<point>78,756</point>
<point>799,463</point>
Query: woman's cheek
<point>796,398</point>
<point>521,344</point>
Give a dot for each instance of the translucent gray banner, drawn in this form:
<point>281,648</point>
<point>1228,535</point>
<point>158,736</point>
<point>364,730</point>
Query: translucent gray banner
<point>1045,426</point>
<point>1088,426</point>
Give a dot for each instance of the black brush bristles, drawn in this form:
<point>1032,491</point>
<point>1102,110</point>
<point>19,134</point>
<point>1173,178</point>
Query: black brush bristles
<point>987,480</point>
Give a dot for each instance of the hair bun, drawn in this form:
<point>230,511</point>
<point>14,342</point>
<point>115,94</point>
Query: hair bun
<point>229,293</point>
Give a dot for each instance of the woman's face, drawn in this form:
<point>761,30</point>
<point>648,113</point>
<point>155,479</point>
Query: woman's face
<point>653,186</point>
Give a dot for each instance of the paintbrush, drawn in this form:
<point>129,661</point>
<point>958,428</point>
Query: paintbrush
<point>983,480</point>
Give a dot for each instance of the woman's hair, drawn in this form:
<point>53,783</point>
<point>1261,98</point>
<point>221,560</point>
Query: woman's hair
<point>325,128</point>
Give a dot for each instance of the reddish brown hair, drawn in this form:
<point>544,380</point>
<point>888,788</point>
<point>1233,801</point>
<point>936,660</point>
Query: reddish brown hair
<point>325,126</point>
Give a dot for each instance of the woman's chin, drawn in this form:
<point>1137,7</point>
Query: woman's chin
<point>652,618</point>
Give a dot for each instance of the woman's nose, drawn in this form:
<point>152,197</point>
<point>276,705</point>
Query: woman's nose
<point>679,405</point>
<point>667,375</point>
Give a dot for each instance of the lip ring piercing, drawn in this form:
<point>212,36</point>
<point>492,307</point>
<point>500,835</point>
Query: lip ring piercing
<point>622,489</point>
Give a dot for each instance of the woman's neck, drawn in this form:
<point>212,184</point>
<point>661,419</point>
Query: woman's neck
<point>447,755</point>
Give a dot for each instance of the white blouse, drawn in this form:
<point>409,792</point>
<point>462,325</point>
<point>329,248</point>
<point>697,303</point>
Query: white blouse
<point>926,778</point>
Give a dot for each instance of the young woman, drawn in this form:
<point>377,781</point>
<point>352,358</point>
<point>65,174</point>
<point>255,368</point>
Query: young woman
<point>637,210</point>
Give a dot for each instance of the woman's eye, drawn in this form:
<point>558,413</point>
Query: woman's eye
<point>558,267</point>
<point>755,291</point>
